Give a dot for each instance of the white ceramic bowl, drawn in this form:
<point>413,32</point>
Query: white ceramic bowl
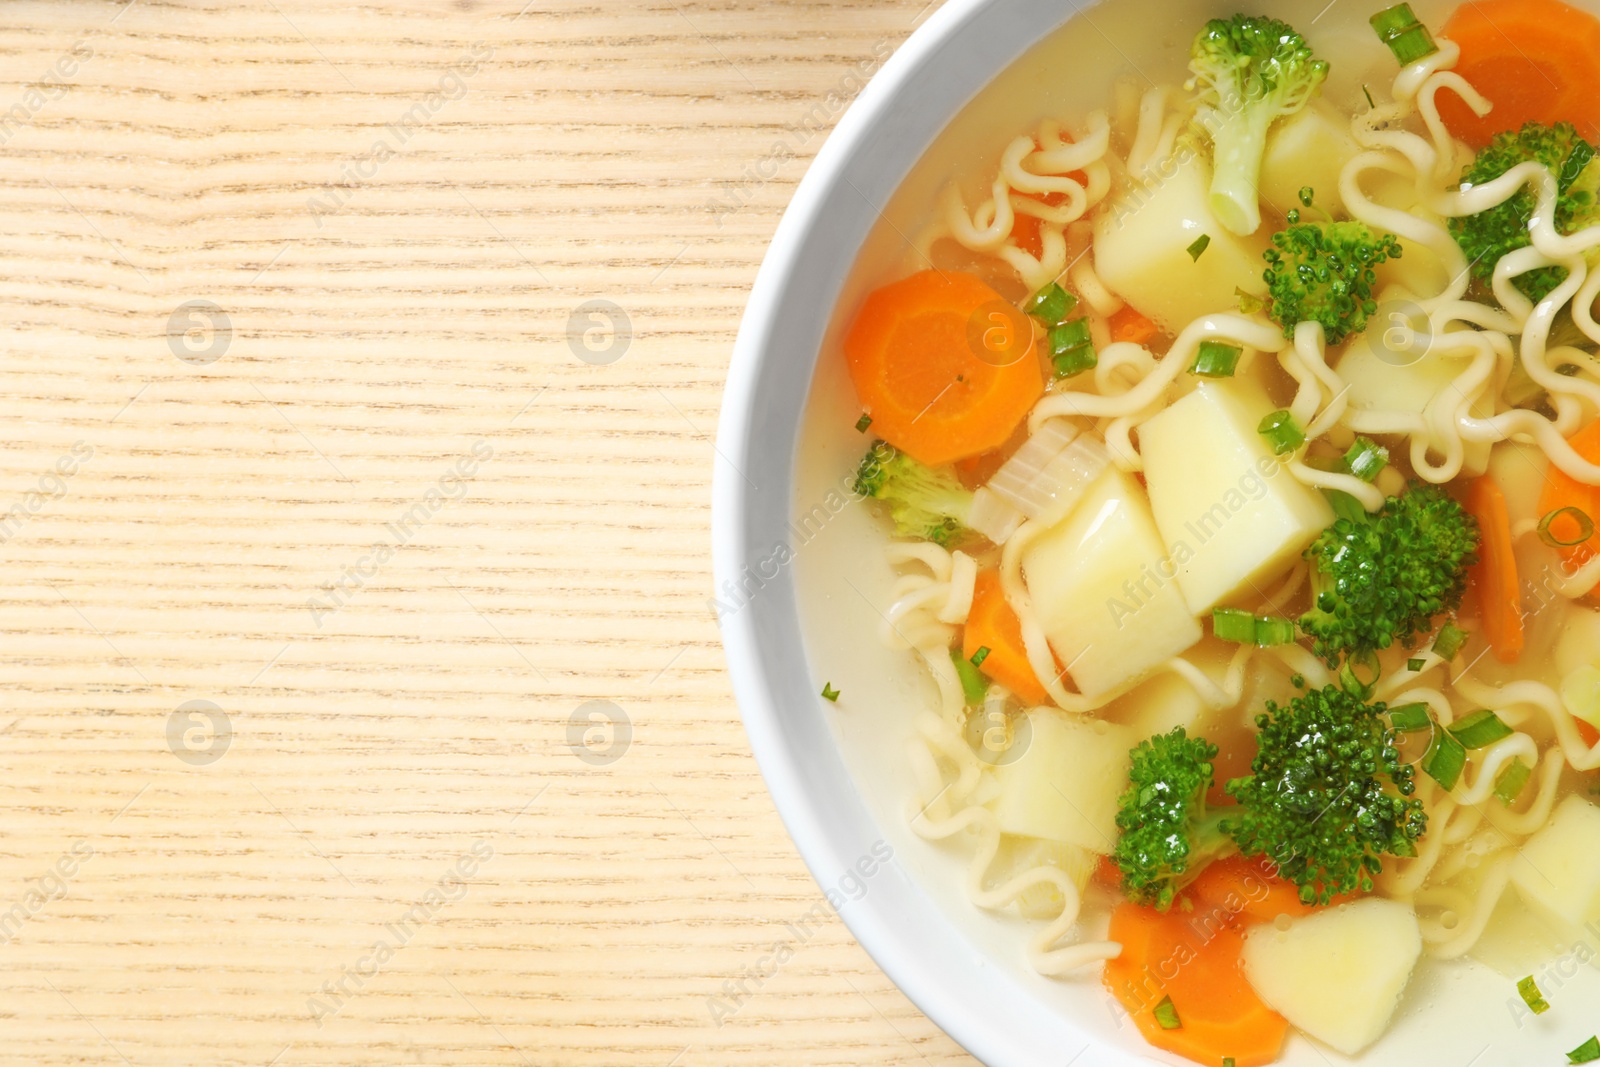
<point>798,574</point>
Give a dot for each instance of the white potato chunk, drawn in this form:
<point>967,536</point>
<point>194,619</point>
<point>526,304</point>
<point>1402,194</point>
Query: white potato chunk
<point>1065,783</point>
<point>1579,644</point>
<point>1142,241</point>
<point>1392,368</point>
<point>1310,148</point>
<point>1103,589</point>
<point>1337,974</point>
<point>1233,519</point>
<point>1557,871</point>
<point>1044,900</point>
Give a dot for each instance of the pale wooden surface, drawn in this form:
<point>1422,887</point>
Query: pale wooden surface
<point>373,745</point>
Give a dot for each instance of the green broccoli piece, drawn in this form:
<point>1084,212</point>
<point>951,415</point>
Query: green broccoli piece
<point>1328,795</point>
<point>926,502</point>
<point>1381,578</point>
<point>1489,235</point>
<point>1167,833</point>
<point>1322,272</point>
<point>1249,71</point>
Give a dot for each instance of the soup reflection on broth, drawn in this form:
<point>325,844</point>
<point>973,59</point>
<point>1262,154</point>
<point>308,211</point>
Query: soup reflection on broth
<point>1241,457</point>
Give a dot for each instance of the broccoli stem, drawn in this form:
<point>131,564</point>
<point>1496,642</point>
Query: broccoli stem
<point>1209,841</point>
<point>1238,144</point>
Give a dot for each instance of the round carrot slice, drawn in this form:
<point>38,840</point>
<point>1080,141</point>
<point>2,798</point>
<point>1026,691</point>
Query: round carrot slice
<point>944,365</point>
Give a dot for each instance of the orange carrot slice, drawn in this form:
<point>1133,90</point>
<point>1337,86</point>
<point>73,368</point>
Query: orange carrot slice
<point>1245,889</point>
<point>945,365</point>
<point>1535,60</point>
<point>1494,576</point>
<point>1129,325</point>
<point>1196,964</point>
<point>993,625</point>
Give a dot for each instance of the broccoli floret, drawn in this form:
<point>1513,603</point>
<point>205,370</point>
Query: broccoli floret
<point>1249,71</point>
<point>1489,235</point>
<point>1322,272</point>
<point>926,502</point>
<point>1328,795</point>
<point>1384,577</point>
<point>1167,833</point>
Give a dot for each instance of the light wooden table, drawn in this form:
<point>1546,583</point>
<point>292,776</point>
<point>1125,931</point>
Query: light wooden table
<point>302,422</point>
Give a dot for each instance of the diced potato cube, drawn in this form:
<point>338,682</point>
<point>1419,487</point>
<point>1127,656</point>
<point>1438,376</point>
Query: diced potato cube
<point>1391,368</point>
<point>1232,518</point>
<point>1142,241</point>
<point>1044,900</point>
<point>1338,973</point>
<point>1065,784</point>
<point>1311,148</point>
<point>1103,589</point>
<point>1557,871</point>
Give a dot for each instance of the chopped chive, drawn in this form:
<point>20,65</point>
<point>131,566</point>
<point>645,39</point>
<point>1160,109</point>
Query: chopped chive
<point>1051,305</point>
<point>1248,305</point>
<point>829,692</point>
<point>1166,1014</point>
<point>1201,243</point>
<point>1297,680</point>
<point>1448,643</point>
<point>1481,729</point>
<point>1227,1061</point>
<point>1282,432</point>
<point>1584,531</point>
<point>1531,995</point>
<point>1409,718</point>
<point>973,687</point>
<point>1586,1052</point>
<point>979,656</point>
<point>1366,458</point>
<point>863,422</point>
<point>1074,361</point>
<point>1368,94</point>
<point>1407,38</point>
<point>1216,360</point>
<point>1445,759</point>
<point>1508,784</point>
<point>1415,666</point>
<point>1273,631</point>
<point>1234,624</point>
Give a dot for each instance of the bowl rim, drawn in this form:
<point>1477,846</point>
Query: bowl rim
<point>1003,1034</point>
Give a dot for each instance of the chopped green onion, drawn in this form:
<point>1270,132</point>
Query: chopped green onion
<point>1199,246</point>
<point>1248,304</point>
<point>1586,1052</point>
<point>863,422</point>
<point>829,692</point>
<point>1216,360</point>
<point>1366,458</point>
<point>1407,38</point>
<point>1481,729</point>
<point>1448,643</point>
<point>1445,759</point>
<point>1531,995</point>
<point>1273,631</point>
<point>979,656</point>
<point>1051,305</point>
<point>1233,624</point>
<point>1368,94</point>
<point>1508,784</point>
<point>1297,680</point>
<point>1584,532</point>
<point>1228,1061</point>
<point>973,686</point>
<point>1415,665</point>
<point>1074,361</point>
<point>1166,1014</point>
<point>1409,718</point>
<point>1282,432</point>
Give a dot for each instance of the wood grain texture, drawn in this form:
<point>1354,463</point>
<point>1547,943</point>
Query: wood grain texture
<point>367,500</point>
